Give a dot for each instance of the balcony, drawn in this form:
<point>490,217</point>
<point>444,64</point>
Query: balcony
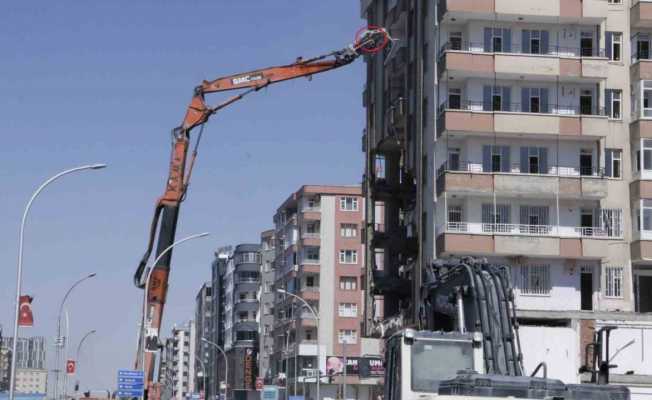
<point>311,238</point>
<point>641,66</point>
<point>309,293</point>
<point>477,238</point>
<point>566,63</point>
<point>478,118</point>
<point>641,247</point>
<point>551,11</point>
<point>640,14</point>
<point>567,182</point>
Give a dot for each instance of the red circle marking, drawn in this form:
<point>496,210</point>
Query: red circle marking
<point>375,49</point>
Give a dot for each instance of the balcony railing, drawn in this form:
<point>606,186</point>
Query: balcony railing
<point>479,228</point>
<point>477,167</point>
<point>517,48</point>
<point>312,261</point>
<point>547,108</point>
<point>310,235</point>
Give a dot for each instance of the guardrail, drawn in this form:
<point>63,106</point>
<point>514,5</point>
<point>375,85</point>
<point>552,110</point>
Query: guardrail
<point>531,230</point>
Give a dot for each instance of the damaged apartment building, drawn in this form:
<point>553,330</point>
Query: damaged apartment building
<point>519,131</point>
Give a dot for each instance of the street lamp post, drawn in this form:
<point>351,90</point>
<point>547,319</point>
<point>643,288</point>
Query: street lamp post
<point>226,366</point>
<point>62,341</point>
<point>316,317</point>
<point>77,355</point>
<point>145,299</point>
<point>19,269</point>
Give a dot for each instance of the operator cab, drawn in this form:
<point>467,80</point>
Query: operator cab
<point>418,360</point>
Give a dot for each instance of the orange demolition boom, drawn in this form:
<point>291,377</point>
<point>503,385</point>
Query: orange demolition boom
<point>167,207</point>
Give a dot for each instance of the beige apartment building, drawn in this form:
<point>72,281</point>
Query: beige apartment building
<point>320,259</point>
<point>519,131</point>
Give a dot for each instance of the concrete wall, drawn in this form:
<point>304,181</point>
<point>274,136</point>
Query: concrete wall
<point>558,347</point>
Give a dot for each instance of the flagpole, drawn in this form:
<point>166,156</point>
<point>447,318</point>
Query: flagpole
<point>19,268</point>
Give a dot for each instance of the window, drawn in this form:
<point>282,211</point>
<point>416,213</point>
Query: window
<point>646,162</point>
<point>454,213</point>
<point>348,230</point>
<point>454,159</point>
<point>496,99</point>
<point>643,47</point>
<point>348,256</point>
<point>348,283</point>
<point>495,158</point>
<point>616,45</point>
<point>349,204</point>
<point>615,1</point>
<point>614,283</point>
<point>310,281</point>
<point>534,160</point>
<point>535,279</point>
<point>348,336</point>
<point>613,101</point>
<point>455,40</point>
<point>248,257</point>
<point>454,98</point>
<point>535,42</point>
<point>586,102</point>
<point>311,254</point>
<point>586,44</point>
<point>613,162</point>
<point>497,40</point>
<point>348,310</point>
<point>498,220</point>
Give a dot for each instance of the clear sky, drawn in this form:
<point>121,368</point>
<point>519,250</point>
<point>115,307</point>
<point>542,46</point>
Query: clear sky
<point>106,81</point>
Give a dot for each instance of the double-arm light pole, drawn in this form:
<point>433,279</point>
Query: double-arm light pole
<point>316,317</point>
<point>145,317</point>
<point>19,269</point>
<point>61,341</point>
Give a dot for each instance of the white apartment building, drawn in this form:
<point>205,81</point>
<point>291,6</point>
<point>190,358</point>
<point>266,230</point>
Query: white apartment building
<point>181,365</point>
<point>518,130</point>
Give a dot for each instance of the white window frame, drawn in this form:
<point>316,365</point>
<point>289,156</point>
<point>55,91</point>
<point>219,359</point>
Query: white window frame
<point>348,336</point>
<point>616,160</point>
<point>617,40</point>
<point>616,99</point>
<point>615,2</point>
<point>535,35</point>
<point>348,256</point>
<point>349,203</point>
<point>349,230</point>
<point>347,310</point>
<point>454,91</point>
<point>529,274</point>
<point>614,282</point>
<point>348,283</point>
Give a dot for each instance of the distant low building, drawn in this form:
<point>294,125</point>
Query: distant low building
<point>31,380</point>
<point>30,352</point>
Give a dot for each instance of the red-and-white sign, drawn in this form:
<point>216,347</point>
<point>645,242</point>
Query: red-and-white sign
<point>260,383</point>
<point>71,366</point>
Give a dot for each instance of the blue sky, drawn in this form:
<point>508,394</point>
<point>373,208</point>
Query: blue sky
<point>106,81</point>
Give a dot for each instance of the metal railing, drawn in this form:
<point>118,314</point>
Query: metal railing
<point>310,235</point>
<point>477,167</point>
<point>532,230</point>
<point>517,48</point>
<point>549,108</point>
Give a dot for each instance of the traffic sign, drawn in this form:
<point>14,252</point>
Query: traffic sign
<point>131,383</point>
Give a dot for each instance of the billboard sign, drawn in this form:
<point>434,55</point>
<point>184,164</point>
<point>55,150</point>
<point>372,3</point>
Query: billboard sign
<point>371,368</point>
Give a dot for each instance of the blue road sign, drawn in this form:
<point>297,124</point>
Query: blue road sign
<point>131,383</point>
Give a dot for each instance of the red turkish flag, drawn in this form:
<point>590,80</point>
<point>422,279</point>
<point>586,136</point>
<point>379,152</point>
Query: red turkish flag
<point>70,367</point>
<point>25,316</point>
